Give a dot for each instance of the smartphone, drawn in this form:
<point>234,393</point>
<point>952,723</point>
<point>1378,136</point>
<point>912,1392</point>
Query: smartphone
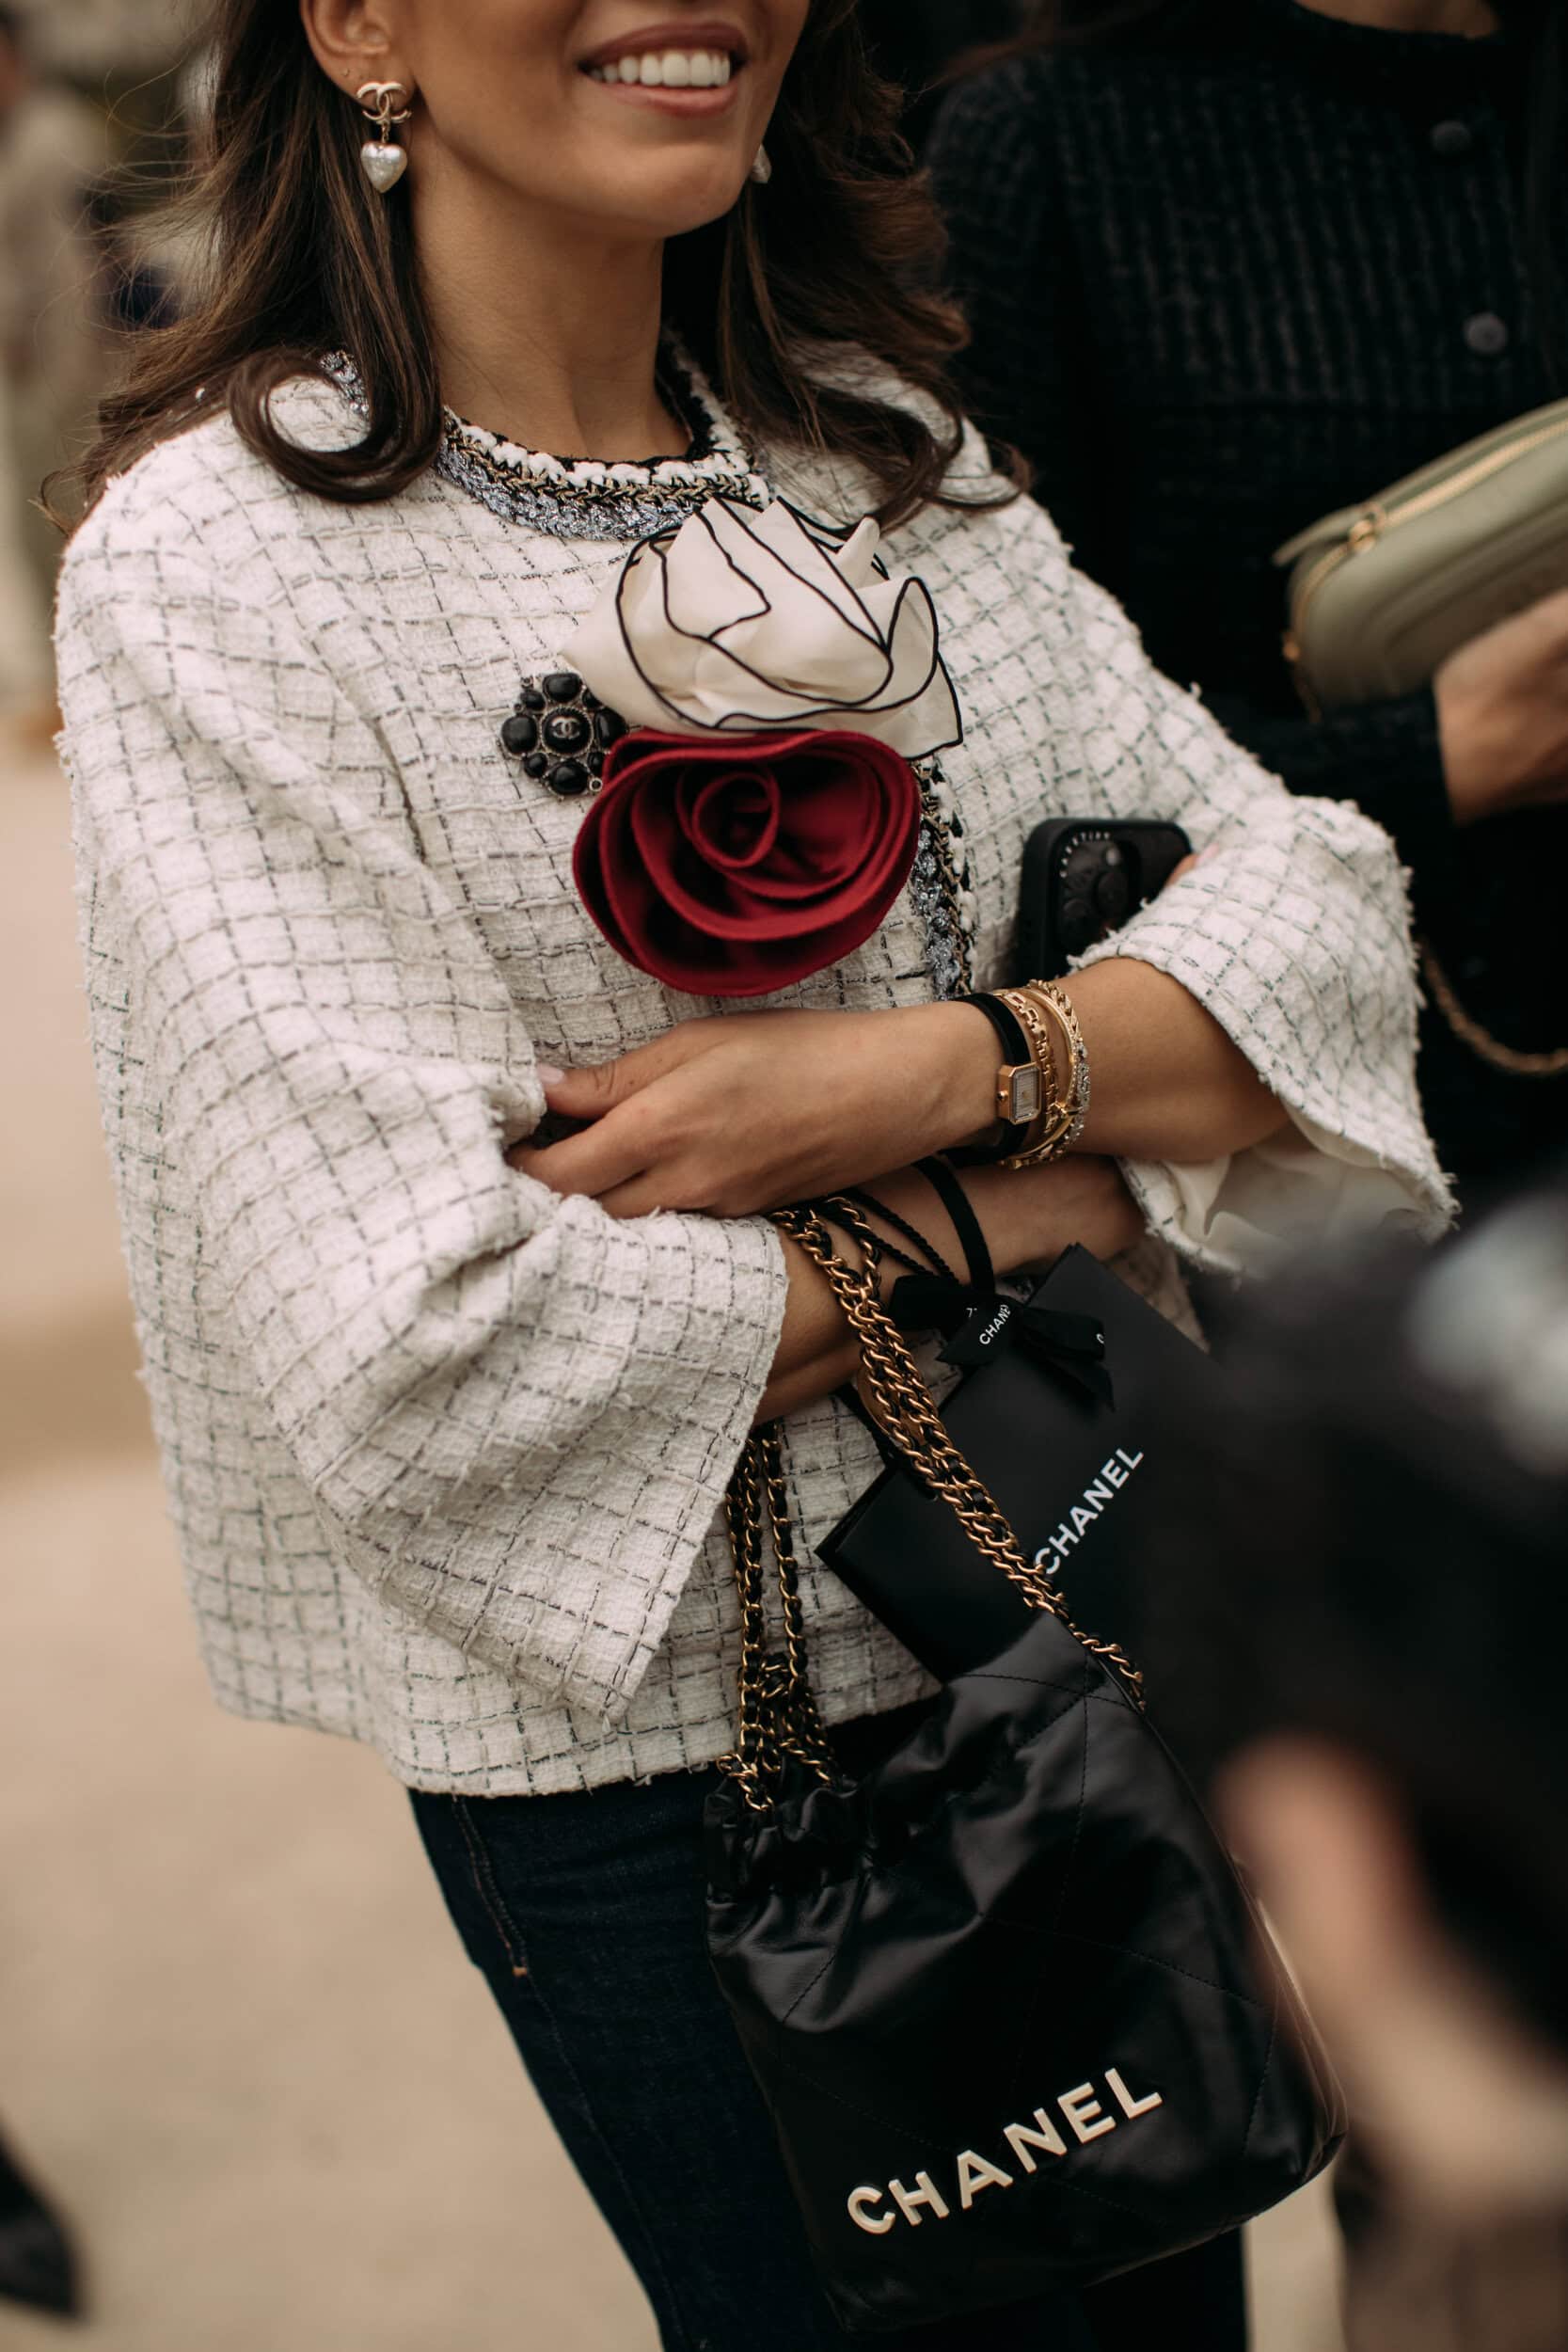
<point>1083,877</point>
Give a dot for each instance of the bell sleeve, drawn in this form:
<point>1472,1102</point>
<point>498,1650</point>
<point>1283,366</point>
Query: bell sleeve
<point>1293,934</point>
<point>515,1416</point>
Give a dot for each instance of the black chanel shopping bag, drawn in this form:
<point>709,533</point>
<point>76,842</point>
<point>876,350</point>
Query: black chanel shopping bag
<point>1062,1427</point>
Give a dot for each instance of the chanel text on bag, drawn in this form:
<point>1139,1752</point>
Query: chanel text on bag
<point>1099,1491</point>
<point>972,2172</point>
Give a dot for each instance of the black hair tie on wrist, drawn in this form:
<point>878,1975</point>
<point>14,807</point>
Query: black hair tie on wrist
<point>961,1211</point>
<point>930,1258</point>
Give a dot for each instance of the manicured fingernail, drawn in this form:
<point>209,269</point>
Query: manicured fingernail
<point>547,1074</point>
<point>1204,855</point>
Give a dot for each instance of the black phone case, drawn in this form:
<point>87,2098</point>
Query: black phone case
<point>1153,851</point>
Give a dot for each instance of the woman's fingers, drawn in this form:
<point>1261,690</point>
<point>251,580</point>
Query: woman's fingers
<point>643,1196</point>
<point>592,1093</point>
<point>594,1162</point>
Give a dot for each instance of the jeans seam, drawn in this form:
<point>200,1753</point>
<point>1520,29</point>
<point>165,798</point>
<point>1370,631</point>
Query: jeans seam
<point>489,1893</point>
<point>512,1944</point>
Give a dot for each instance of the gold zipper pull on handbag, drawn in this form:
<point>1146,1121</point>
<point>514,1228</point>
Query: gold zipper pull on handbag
<point>1381,593</point>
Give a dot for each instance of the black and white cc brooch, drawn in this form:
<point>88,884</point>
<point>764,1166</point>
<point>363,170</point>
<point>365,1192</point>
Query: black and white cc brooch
<point>559,733</point>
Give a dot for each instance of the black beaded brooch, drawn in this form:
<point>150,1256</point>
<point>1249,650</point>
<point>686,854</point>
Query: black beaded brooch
<point>560,732</point>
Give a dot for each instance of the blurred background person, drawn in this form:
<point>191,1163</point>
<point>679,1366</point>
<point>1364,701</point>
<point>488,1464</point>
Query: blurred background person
<point>1231,264</point>
<point>1377,1691</point>
<point>55,151</point>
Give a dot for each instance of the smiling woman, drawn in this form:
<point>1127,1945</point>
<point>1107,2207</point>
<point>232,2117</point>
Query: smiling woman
<point>545,596</point>
<point>517,94</point>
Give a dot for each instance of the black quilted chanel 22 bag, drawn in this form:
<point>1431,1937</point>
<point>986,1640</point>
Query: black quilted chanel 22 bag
<point>1017,2023</point>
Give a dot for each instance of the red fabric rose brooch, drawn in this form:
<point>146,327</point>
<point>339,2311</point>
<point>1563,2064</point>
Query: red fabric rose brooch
<point>759,813</point>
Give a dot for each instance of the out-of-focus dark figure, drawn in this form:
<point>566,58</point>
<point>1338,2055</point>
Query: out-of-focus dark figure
<point>1232,265</point>
<point>918,42</point>
<point>1361,1617</point>
<point>38,2263</point>
<point>54,355</point>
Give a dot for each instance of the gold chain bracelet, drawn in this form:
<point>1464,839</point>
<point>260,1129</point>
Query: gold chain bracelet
<point>1038,1005</point>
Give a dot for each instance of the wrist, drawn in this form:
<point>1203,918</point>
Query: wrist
<point>1473,764</point>
<point>960,1057</point>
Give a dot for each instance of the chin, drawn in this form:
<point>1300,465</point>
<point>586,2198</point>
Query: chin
<point>672,198</point>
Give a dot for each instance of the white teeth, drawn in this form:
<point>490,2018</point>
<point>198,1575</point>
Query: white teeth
<point>676,69</point>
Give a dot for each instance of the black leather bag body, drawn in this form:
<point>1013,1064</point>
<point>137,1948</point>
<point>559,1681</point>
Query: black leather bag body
<point>1016,2022</point>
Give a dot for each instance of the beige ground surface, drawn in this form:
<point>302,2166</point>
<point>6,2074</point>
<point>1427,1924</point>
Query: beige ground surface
<point>235,2030</point>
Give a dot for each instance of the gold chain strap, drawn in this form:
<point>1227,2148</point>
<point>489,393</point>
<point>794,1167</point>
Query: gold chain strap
<point>909,1414</point>
<point>1481,1041</point>
<point>779,1721</point>
<point>779,1718</point>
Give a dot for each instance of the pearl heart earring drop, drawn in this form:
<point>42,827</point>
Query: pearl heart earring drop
<point>761,170</point>
<point>384,160</point>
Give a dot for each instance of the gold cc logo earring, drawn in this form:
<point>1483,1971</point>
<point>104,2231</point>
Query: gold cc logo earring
<point>385,104</point>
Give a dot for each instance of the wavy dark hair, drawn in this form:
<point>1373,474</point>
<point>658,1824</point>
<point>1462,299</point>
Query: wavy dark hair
<point>308,260</point>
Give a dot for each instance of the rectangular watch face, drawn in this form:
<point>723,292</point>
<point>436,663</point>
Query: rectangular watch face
<point>1028,1096</point>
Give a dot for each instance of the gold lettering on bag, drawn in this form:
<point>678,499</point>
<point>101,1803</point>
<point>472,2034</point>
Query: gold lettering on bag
<point>974,2174</point>
<point>1086,2115</point>
<point>859,2202</point>
<point>1081,2107</point>
<point>1124,2099</point>
<point>924,2192</point>
<point>1019,2138</point>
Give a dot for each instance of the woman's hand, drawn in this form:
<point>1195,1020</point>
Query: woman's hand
<point>1502,705</point>
<point>754,1110</point>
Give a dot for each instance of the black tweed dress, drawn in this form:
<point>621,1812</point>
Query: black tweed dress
<point>1222,281</point>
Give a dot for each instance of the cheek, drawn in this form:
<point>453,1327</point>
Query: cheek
<point>784,22</point>
<point>491,73</point>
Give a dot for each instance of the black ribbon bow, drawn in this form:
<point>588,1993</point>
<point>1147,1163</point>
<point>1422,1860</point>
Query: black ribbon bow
<point>978,1325</point>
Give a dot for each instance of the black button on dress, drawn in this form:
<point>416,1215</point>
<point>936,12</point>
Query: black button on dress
<point>1487,335</point>
<point>1451,140</point>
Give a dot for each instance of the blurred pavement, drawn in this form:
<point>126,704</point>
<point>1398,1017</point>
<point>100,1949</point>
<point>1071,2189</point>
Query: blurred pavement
<point>238,2039</point>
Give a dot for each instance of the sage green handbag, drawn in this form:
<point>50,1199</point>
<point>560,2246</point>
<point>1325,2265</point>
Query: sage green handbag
<point>1381,595</point>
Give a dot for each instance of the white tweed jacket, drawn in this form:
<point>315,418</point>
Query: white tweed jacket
<point>444,1450</point>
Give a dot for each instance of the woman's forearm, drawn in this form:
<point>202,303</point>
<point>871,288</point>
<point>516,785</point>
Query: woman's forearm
<point>748,1112</point>
<point>1168,1083</point>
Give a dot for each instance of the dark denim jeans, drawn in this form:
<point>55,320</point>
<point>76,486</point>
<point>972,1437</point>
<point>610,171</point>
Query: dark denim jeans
<point>585,1914</point>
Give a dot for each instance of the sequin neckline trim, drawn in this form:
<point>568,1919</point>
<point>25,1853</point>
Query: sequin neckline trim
<point>583,498</point>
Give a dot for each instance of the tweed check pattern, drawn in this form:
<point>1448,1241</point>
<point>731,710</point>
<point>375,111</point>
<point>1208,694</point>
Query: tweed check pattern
<point>445,1452</point>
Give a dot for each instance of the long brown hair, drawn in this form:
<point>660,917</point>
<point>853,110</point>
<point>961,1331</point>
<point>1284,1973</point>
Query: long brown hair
<point>307,261</point>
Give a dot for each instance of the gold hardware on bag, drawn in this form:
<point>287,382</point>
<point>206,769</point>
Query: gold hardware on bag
<point>779,1721</point>
<point>1370,523</point>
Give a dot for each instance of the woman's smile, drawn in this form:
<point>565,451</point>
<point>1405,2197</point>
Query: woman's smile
<point>680,69</point>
